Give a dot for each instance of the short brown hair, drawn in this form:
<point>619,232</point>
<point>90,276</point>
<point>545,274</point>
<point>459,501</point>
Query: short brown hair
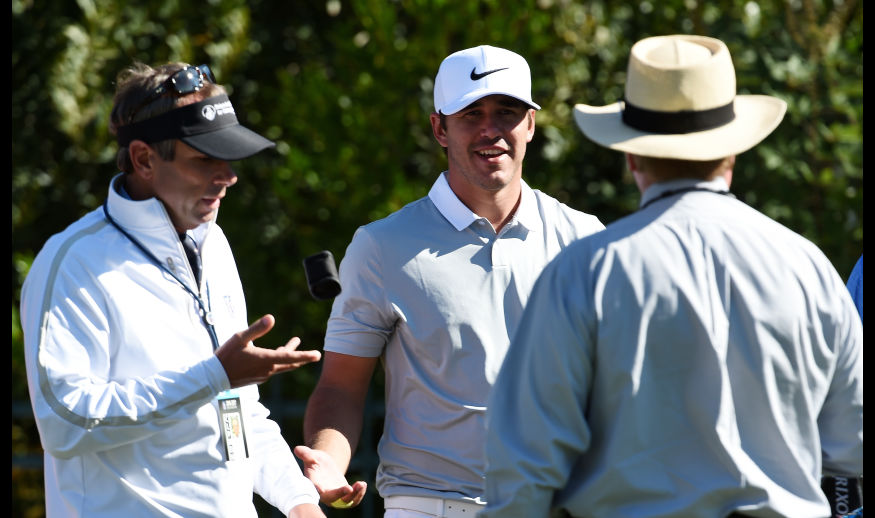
<point>665,169</point>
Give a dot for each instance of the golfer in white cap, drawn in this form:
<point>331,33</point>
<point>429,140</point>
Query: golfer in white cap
<point>433,293</point>
<point>694,359</point>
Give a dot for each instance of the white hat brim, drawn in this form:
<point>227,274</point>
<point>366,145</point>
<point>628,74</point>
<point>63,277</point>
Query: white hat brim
<point>756,116</point>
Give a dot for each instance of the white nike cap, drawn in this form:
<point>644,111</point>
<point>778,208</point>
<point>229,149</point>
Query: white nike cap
<point>470,74</point>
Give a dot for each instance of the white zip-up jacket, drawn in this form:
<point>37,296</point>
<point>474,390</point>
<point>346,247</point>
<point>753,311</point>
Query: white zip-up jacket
<point>123,380</point>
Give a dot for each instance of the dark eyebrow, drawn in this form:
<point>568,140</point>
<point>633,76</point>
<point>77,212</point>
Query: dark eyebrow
<point>512,102</point>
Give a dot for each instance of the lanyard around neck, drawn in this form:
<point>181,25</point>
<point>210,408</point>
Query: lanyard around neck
<point>672,192</point>
<point>206,315</point>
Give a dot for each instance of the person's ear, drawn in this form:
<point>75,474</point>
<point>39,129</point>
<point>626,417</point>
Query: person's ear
<point>727,174</point>
<point>440,132</point>
<point>642,180</point>
<point>630,163</point>
<point>141,159</point>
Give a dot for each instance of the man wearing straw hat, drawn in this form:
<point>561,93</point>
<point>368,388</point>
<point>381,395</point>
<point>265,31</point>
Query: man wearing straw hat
<point>693,359</point>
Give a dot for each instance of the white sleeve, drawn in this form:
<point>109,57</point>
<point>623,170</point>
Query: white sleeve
<point>840,422</point>
<point>278,477</point>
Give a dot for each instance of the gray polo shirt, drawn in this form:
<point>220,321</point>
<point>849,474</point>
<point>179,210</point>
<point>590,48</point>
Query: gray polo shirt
<point>437,293</point>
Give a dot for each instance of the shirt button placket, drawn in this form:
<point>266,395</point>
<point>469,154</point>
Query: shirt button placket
<point>498,252</point>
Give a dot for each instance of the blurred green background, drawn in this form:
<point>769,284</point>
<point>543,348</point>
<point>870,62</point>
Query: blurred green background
<point>345,88</point>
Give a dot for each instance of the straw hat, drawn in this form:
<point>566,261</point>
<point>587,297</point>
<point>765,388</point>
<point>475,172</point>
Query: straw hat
<point>680,103</point>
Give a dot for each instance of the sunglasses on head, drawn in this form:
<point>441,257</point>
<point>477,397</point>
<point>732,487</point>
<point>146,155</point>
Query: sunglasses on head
<point>184,81</point>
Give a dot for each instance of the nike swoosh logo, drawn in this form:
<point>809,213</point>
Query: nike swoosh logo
<point>475,76</point>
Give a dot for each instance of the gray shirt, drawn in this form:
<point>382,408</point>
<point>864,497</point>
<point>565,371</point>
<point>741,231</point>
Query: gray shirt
<point>692,359</point>
<point>438,294</point>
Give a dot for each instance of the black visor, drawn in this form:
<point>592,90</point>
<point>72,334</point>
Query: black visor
<point>210,126</point>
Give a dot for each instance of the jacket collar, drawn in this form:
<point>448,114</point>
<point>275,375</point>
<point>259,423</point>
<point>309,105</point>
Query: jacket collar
<point>145,216</point>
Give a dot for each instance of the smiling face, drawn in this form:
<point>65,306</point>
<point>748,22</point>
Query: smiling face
<point>486,142</point>
<point>190,186</point>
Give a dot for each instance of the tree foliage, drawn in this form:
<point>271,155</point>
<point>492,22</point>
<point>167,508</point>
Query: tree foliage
<point>344,87</point>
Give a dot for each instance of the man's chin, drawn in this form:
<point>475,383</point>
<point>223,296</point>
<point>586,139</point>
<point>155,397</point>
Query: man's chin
<point>203,218</point>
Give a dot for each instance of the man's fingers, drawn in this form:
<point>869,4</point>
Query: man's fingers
<point>330,495</point>
<point>359,489</point>
<point>246,363</point>
<point>304,453</point>
<point>292,344</point>
<point>258,329</point>
<point>290,355</point>
<point>285,355</point>
<point>351,497</point>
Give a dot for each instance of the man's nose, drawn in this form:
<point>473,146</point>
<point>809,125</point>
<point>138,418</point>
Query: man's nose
<point>491,125</point>
<point>225,175</point>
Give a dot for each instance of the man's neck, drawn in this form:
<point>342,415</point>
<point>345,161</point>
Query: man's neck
<point>135,190</point>
<point>498,207</point>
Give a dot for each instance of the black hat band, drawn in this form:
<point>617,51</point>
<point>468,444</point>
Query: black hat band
<point>686,121</point>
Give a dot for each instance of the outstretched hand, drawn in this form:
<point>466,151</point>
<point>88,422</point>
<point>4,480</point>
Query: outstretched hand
<point>245,363</point>
<point>332,486</point>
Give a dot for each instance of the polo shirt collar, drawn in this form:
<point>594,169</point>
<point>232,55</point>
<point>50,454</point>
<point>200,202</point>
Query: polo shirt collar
<point>718,184</point>
<point>460,216</point>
